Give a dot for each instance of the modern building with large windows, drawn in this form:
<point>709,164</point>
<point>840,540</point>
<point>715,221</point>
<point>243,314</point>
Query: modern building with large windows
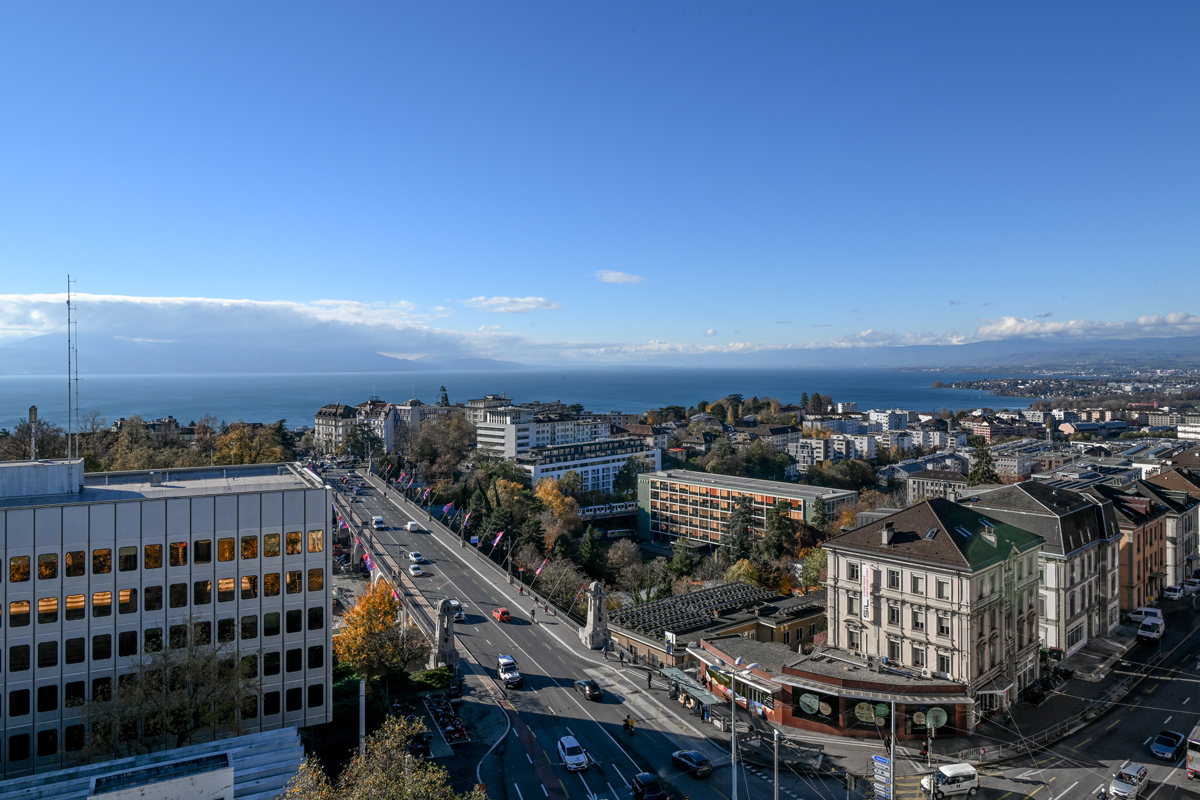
<point>101,569</point>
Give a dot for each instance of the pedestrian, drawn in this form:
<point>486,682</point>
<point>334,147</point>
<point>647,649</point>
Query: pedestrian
<point>649,675</point>
<point>521,589</point>
<point>533,615</point>
<point>605,649</point>
<point>622,657</point>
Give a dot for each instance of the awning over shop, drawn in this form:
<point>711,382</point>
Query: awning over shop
<point>900,695</point>
<point>692,687</point>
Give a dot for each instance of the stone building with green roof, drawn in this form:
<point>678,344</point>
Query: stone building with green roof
<point>944,592</point>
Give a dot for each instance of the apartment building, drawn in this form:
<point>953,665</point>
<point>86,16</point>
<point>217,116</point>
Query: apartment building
<point>331,425</point>
<point>807,453</point>
<point>1078,592</point>
<point>597,463</point>
<point>943,590</point>
<point>892,419</point>
<point>381,419</point>
<point>1143,557</point>
<point>945,483</point>
<point>696,505</point>
<point>853,446</point>
<point>1180,554</point>
<point>413,413</point>
<point>504,431</point>
<point>104,568</point>
<point>554,429</point>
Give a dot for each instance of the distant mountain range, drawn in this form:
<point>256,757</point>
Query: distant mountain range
<point>46,355</point>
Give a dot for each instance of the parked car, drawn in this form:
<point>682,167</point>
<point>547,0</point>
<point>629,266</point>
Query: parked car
<point>415,570</point>
<point>416,557</point>
<point>1168,745</point>
<point>501,615</point>
<point>952,779</point>
<point>589,689</point>
<point>1173,592</point>
<point>646,787</point>
<point>1191,586</point>
<point>692,761</point>
<point>572,754</point>
<point>1139,614</point>
<point>1128,780</point>
<point>1151,629</point>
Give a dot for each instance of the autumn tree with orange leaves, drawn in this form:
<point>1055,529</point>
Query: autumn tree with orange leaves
<point>371,641</point>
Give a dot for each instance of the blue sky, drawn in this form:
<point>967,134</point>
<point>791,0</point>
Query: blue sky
<point>544,181</point>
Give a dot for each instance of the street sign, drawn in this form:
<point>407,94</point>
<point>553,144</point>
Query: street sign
<point>883,777</point>
<point>880,760</point>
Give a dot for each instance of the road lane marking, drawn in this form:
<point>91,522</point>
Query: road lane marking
<point>1168,719</point>
<point>614,766</point>
<point>1151,689</point>
<point>519,795</point>
<point>1085,741</point>
<point>1069,788</point>
<point>1185,700</point>
<point>544,791</point>
<point>1148,738</point>
<point>1114,724</point>
<point>529,757</point>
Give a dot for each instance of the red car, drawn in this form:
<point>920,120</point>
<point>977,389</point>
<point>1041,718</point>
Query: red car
<point>502,615</point>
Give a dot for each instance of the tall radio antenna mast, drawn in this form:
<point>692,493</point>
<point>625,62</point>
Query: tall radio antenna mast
<point>70,357</point>
<point>72,378</point>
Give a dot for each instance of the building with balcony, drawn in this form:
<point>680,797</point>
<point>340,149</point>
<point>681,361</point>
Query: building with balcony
<point>597,463</point>
<point>331,425</point>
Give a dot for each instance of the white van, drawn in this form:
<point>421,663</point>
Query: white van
<point>413,526</point>
<point>378,523</point>
<point>1151,628</point>
<point>952,779</point>
<point>1140,614</point>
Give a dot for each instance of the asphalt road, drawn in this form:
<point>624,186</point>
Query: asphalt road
<point>525,764</point>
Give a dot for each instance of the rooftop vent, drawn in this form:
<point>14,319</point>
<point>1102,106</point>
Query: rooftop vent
<point>932,532</point>
<point>887,531</point>
<point>156,478</point>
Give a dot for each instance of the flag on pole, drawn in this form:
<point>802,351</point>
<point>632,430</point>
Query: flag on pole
<point>467,517</point>
<point>427,491</point>
<point>403,475</point>
<point>581,588</point>
<point>446,508</point>
<point>389,469</point>
<point>538,571</point>
<point>498,535</point>
<point>367,561</point>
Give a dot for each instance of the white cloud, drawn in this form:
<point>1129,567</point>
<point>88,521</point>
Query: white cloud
<point>613,276</point>
<point>510,305</point>
<point>711,332</point>
<point>1177,323</point>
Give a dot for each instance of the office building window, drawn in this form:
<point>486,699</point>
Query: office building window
<point>943,625</point>
<point>152,598</point>
<point>271,624</point>
<point>102,561</point>
<point>18,746</point>
<point>75,650</point>
<point>75,560</point>
<point>73,738</point>
<point>249,547</point>
<point>127,643</point>
<point>893,650</point>
<point>47,610</point>
<point>852,605</point>
<point>47,742</point>
<point>316,579</point>
<point>47,566</point>
<point>293,660</point>
<point>101,646</point>
<point>202,633</point>
<point>152,556</point>
<point>18,658</point>
<point>18,613</point>
<point>316,618</point>
<point>918,655</point>
<point>295,583</point>
<point>943,590</point>
<point>102,689</point>
<point>893,614</point>
<point>918,585</point>
<point>270,704</point>
<point>202,551</point>
<point>943,662</point>
<point>18,703</point>
<point>225,548</point>
<point>178,554</point>
<point>101,604</point>
<point>294,620</point>
<point>18,569</point>
<point>852,570</point>
<point>250,665</point>
<point>152,640</point>
<point>271,545</point>
<point>918,619</point>
<point>226,630</point>
<point>201,593</point>
<point>249,587</point>
<point>250,626</point>
<point>271,663</point>
<point>316,541</point>
<point>177,636</point>
<point>271,584</point>
<point>127,601</point>
<point>225,590</point>
<point>74,694</point>
<point>294,699</point>
<point>293,543</point>
<point>316,656</point>
<point>178,595</point>
<point>852,640</point>
<point>316,695</point>
<point>893,578</point>
<point>127,559</point>
<point>48,654</point>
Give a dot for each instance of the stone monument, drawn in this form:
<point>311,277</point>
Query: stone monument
<point>443,650</point>
<point>594,634</point>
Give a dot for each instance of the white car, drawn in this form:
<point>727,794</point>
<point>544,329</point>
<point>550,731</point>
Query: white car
<point>415,570</point>
<point>456,610</point>
<point>572,754</point>
<point>1173,592</point>
<point>1191,586</point>
<point>416,557</point>
<point>378,523</point>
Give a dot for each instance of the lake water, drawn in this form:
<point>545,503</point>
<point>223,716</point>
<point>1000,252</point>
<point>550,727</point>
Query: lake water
<point>296,397</point>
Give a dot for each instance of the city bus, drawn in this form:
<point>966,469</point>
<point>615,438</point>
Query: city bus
<point>1193,753</point>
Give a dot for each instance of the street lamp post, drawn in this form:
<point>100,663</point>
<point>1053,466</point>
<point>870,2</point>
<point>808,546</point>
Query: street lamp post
<point>740,663</point>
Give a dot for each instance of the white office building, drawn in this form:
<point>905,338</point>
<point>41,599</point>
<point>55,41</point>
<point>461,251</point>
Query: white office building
<point>104,568</point>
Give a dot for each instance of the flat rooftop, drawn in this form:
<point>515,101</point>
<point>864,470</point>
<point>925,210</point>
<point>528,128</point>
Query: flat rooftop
<point>109,487</point>
<point>753,485</point>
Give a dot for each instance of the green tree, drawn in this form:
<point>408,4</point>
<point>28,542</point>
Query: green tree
<point>563,548</point>
<point>983,469</point>
<point>626,480</point>
<point>683,558</point>
<point>820,516</point>
<point>441,445</point>
<point>589,552</point>
<point>284,439</point>
<point>443,398</point>
<point>779,538</point>
<point>813,565</point>
<point>571,484</point>
<point>575,408</point>
<point>737,542</point>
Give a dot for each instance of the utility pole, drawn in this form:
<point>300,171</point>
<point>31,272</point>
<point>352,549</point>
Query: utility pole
<point>733,735</point>
<point>776,765</point>
<point>362,717</point>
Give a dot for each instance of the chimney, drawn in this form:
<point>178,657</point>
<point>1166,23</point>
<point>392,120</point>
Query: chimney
<point>887,530</point>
